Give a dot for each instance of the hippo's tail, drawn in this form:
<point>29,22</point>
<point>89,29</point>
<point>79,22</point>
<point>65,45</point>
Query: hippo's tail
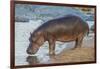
<point>88,33</point>
<point>88,30</point>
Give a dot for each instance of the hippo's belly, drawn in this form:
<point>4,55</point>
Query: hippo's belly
<point>66,38</point>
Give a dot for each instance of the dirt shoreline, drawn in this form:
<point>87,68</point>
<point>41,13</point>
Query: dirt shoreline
<point>77,55</point>
<point>84,54</point>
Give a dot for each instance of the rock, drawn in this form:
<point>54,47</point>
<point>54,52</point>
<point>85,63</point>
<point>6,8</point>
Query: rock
<point>21,19</point>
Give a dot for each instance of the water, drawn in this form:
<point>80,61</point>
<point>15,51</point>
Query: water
<point>22,33</point>
<point>90,23</point>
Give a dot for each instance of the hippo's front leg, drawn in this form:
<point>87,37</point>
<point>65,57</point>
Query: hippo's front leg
<point>51,47</point>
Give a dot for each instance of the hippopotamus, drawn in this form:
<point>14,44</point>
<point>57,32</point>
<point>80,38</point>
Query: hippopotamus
<point>64,29</point>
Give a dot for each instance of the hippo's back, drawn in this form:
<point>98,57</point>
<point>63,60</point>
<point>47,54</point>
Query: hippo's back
<point>67,23</point>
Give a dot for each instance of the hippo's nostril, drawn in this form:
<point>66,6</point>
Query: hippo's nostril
<point>30,52</point>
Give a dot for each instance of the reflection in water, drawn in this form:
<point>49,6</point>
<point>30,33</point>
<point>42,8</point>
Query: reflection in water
<point>32,60</point>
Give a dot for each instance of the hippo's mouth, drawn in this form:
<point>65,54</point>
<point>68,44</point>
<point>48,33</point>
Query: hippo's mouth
<point>30,52</point>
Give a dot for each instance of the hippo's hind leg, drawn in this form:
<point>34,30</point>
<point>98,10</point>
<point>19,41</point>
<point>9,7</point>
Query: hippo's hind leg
<point>51,47</point>
<point>79,41</point>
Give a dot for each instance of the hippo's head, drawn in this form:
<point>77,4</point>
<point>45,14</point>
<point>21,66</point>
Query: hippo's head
<point>36,40</point>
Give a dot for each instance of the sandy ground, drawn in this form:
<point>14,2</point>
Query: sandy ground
<point>84,54</point>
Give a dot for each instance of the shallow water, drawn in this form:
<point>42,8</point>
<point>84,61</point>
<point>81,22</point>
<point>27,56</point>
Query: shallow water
<point>22,33</point>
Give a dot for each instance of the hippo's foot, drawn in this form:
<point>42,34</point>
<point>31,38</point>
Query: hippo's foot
<point>76,47</point>
<point>51,54</point>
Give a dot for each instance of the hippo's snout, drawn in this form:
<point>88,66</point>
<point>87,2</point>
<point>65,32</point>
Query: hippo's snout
<point>29,51</point>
